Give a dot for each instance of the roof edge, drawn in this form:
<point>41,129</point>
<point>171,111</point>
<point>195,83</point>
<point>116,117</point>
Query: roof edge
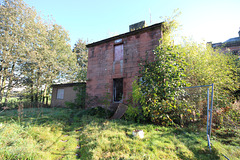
<point>68,84</point>
<point>158,25</point>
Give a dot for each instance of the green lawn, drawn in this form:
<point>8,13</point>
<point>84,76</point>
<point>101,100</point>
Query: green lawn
<point>55,133</point>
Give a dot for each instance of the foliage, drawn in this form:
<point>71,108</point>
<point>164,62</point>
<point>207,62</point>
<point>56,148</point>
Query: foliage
<point>96,111</point>
<point>159,82</point>
<point>207,66</point>
<point>34,53</point>
<point>227,117</point>
<point>79,102</point>
<point>14,17</point>
<point>80,50</point>
<point>179,65</point>
<point>134,111</point>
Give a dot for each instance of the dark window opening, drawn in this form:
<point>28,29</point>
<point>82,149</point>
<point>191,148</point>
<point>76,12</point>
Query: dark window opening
<point>117,89</point>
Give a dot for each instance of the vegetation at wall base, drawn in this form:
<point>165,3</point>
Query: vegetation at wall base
<point>61,133</point>
<point>79,101</point>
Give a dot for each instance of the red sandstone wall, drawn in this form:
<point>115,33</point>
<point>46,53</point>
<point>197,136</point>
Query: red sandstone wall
<point>102,69</point>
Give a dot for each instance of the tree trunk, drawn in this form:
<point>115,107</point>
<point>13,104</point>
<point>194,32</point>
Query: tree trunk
<point>3,83</point>
<point>32,93</point>
<point>36,98</point>
<point>1,89</point>
<point>9,87</point>
<point>47,100</point>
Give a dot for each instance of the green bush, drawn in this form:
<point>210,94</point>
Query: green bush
<point>135,111</point>
<point>134,114</point>
<point>160,80</point>
<point>178,66</point>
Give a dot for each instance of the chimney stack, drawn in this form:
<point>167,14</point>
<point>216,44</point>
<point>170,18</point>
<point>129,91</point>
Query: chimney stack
<point>137,26</point>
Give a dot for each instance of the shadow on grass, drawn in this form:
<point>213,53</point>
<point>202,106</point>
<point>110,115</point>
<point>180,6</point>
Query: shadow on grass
<point>198,147</point>
<point>73,122</point>
<point>48,147</point>
<point>194,144</point>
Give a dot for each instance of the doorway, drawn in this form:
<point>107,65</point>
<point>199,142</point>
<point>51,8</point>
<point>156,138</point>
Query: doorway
<point>118,89</point>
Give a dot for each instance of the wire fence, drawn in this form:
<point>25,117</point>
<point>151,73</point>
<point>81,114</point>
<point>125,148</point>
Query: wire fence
<point>194,102</point>
<point>200,113</point>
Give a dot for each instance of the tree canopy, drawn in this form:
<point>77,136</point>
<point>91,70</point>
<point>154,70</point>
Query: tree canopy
<point>34,53</point>
<point>80,50</point>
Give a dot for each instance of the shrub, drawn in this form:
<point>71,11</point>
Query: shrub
<point>177,66</point>
<point>160,79</point>
<point>79,102</point>
<point>96,111</point>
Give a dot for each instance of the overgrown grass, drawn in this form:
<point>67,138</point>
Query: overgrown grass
<point>103,139</point>
<point>55,133</point>
<point>37,133</point>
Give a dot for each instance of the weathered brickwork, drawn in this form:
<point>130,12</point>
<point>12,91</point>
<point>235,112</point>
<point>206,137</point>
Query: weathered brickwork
<point>102,69</point>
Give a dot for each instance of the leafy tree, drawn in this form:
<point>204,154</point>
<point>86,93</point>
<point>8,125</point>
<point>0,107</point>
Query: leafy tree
<point>78,70</point>
<point>48,62</point>
<point>177,66</point>
<point>33,53</point>
<point>207,66</point>
<point>80,50</point>
<point>13,33</point>
<point>160,79</point>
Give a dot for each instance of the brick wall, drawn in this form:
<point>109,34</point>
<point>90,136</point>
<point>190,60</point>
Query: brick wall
<point>101,66</point>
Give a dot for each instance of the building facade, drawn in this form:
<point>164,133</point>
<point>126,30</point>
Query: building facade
<point>62,93</point>
<point>113,63</point>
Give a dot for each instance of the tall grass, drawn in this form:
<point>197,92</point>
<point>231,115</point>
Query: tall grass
<point>57,133</point>
<point>103,139</point>
<point>35,133</point>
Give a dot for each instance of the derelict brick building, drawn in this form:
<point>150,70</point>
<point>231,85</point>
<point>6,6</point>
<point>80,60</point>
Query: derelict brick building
<point>113,63</point>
